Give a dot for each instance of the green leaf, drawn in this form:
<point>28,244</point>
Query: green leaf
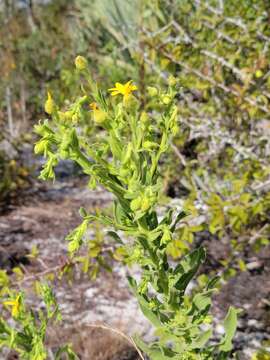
<point>203,300</point>
<point>230,325</point>
<point>155,352</point>
<point>187,268</point>
<point>144,305</point>
<point>201,340</point>
<point>179,217</point>
<point>115,236</point>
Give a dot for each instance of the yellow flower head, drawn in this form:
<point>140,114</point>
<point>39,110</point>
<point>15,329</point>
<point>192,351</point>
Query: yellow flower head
<point>123,89</point>
<point>15,305</point>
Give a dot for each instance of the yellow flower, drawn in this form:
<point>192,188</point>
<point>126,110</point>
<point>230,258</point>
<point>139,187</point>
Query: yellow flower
<point>15,304</point>
<point>123,89</point>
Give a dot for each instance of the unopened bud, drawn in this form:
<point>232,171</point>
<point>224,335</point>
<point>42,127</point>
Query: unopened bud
<point>136,204</point>
<point>175,130</point>
<point>258,73</point>
<point>172,80</point>
<point>152,91</point>
<point>49,104</point>
<point>99,116</point>
<point>166,99</point>
<point>144,117</point>
<point>145,205</point>
<point>149,145</point>
<point>81,63</point>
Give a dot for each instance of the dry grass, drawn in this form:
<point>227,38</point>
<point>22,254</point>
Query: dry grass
<point>94,343</point>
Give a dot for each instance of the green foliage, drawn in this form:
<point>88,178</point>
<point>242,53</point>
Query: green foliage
<point>217,55</point>
<point>215,60</point>
<point>27,334</point>
<point>124,158</point>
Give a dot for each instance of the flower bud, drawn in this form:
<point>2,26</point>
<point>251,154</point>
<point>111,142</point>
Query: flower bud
<point>41,146</point>
<point>99,116</point>
<point>81,63</point>
<point>149,145</point>
<point>166,99</point>
<point>136,204</point>
<point>172,80</point>
<point>75,117</point>
<point>145,204</point>
<point>166,237</point>
<point>258,74</point>
<point>69,114</point>
<point>62,115</point>
<point>49,104</point>
<point>124,172</point>
<point>152,91</point>
<point>175,130</point>
<point>144,117</point>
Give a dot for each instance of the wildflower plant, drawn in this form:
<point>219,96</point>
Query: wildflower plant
<point>27,333</point>
<point>123,156</point>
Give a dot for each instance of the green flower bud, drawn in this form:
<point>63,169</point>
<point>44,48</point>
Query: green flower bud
<point>62,115</point>
<point>258,74</point>
<point>166,99</point>
<point>64,154</point>
<point>166,237</point>
<point>75,117</point>
<point>124,172</point>
<point>136,204</point>
<point>39,129</point>
<point>144,117</point>
<point>41,146</point>
<point>172,80</point>
<point>175,130</point>
<point>68,115</point>
<point>66,141</point>
<point>152,91</point>
<point>149,145</point>
<point>145,203</point>
<point>81,63</point>
<point>99,116</point>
